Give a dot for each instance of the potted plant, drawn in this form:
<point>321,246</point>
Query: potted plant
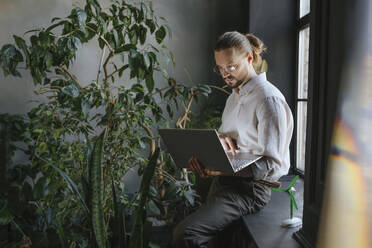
<point>82,140</point>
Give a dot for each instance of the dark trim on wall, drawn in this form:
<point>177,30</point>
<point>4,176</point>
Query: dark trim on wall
<point>316,122</point>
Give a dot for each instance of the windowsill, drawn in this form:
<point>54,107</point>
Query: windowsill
<point>265,226</point>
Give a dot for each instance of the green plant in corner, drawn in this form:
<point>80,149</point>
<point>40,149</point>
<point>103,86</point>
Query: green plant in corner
<point>70,190</point>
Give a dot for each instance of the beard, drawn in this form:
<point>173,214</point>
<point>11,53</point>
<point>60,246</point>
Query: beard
<point>236,85</point>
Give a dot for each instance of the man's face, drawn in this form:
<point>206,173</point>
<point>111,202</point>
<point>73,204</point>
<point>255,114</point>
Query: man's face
<point>232,66</point>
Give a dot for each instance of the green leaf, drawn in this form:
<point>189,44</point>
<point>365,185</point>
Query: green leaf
<point>73,188</point>
<point>122,69</point>
<point>91,34</point>
<point>142,34</point>
<point>42,147</point>
<point>10,56</point>
<point>77,43</point>
<point>85,106</point>
<point>82,16</point>
<point>55,19</point>
<point>119,226</point>
<point>137,235</point>
<point>3,205</point>
<point>172,57</point>
<point>137,88</point>
<point>170,111</point>
<point>61,232</point>
<point>150,83</point>
<point>160,34</point>
<point>165,73</point>
<point>45,39</point>
<point>56,25</point>
<point>38,130</point>
<point>40,189</point>
<point>189,195</point>
<point>5,216</point>
<point>169,30</point>
<point>204,89</point>
<point>21,43</point>
<point>116,37</point>
<point>147,60</point>
<point>101,43</point>
<point>125,48</point>
<point>103,26</point>
<point>151,25</point>
<point>57,133</point>
<point>133,37</point>
<point>71,90</point>
<point>33,30</point>
<point>144,9</point>
<point>152,206</point>
<point>48,60</point>
<point>96,182</point>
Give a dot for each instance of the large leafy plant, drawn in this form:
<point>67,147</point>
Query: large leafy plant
<point>85,136</point>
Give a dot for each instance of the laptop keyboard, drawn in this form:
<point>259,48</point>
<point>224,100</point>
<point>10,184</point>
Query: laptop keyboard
<point>238,164</point>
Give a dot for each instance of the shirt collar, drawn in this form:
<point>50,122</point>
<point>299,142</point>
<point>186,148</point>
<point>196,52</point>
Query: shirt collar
<point>252,82</point>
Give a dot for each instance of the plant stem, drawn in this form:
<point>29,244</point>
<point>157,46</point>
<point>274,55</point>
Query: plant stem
<point>65,35</point>
<point>149,133</point>
<point>100,64</point>
<point>100,36</point>
<point>71,76</point>
<point>182,124</point>
<point>105,68</point>
<point>218,88</point>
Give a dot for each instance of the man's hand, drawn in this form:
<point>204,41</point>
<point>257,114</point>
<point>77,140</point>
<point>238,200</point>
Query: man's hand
<point>196,166</point>
<point>228,144</point>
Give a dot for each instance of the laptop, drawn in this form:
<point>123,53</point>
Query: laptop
<point>205,145</point>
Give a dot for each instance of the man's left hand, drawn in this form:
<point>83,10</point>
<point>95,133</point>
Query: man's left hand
<point>194,162</point>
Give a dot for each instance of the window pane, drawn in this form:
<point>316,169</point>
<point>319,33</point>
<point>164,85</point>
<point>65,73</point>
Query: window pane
<point>303,62</point>
<point>304,7</point>
<point>301,135</point>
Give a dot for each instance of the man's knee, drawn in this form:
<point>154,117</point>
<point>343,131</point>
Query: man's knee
<point>187,235</point>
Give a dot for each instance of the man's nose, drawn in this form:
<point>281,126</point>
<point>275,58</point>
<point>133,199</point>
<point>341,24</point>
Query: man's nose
<point>224,73</point>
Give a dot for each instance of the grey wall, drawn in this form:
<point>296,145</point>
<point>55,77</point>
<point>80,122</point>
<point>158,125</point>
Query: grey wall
<point>274,22</point>
<point>195,24</point>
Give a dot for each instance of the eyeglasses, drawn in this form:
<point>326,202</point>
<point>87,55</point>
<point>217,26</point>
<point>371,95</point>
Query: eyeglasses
<point>229,69</point>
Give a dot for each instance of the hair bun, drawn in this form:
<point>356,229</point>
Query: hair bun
<point>257,45</point>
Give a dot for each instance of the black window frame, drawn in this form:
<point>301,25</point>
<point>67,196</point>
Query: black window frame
<point>301,24</point>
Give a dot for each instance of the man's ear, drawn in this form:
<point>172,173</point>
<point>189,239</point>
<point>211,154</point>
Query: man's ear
<point>250,58</point>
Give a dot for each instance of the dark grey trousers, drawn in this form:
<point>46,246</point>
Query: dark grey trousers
<point>228,200</point>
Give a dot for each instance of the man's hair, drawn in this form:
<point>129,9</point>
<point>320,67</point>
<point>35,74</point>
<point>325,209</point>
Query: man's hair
<point>244,43</point>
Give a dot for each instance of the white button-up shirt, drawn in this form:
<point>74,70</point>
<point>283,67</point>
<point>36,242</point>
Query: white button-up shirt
<point>261,122</point>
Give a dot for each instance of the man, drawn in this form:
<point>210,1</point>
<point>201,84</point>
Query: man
<point>256,119</point>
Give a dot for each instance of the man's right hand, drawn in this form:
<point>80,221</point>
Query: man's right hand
<point>196,166</point>
<point>228,143</point>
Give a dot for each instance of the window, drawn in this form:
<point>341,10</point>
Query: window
<point>304,7</point>
<point>303,37</point>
